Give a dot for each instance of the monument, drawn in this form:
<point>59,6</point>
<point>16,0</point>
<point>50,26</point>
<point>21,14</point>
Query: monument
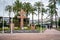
<point>32,27</point>
<point>22,14</point>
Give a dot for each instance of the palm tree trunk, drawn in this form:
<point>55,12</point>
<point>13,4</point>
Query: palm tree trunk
<point>55,13</point>
<point>51,22</point>
<point>42,20</point>
<point>38,16</point>
<point>26,18</point>
<point>56,20</point>
<point>32,19</point>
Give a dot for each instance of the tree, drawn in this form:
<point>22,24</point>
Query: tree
<point>38,5</point>
<point>57,1</point>
<point>17,6</point>
<point>51,12</point>
<point>54,10</point>
<point>42,14</point>
<point>55,13</point>
<point>9,9</point>
<point>59,22</point>
<point>1,23</point>
<point>33,9</point>
<point>27,8</point>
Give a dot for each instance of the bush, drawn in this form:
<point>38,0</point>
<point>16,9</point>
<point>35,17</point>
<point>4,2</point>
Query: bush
<point>38,25</point>
<point>0,25</point>
<point>59,22</point>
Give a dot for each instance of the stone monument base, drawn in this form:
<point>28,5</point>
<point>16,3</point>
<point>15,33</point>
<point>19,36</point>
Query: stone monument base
<point>32,27</point>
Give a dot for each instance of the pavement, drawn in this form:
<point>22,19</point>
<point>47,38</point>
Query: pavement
<point>51,31</point>
<point>49,34</point>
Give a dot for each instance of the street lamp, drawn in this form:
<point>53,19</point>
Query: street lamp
<point>3,19</point>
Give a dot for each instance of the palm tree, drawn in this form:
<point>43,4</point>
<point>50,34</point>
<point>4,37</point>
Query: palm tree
<point>57,1</point>
<point>9,9</point>
<point>54,10</point>
<point>27,7</point>
<point>55,13</point>
<point>33,9</point>
<point>17,6</point>
<point>38,5</point>
<point>42,14</point>
<point>51,13</point>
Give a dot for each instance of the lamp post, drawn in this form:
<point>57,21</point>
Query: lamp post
<point>3,23</point>
<point>3,20</point>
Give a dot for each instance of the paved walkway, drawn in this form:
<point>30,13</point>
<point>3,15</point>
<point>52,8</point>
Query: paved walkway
<point>51,31</point>
<point>47,35</point>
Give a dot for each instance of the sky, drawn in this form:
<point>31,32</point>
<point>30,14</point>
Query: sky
<point>4,3</point>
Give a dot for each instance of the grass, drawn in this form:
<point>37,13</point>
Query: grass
<point>5,28</point>
<point>0,29</point>
<point>40,29</point>
<point>17,28</point>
